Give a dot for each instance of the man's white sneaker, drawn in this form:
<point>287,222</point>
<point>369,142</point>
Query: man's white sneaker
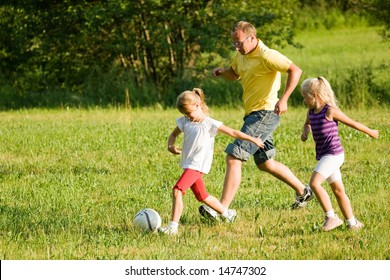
<point>231,217</point>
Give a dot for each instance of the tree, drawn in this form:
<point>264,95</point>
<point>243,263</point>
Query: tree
<point>381,11</point>
<point>50,44</point>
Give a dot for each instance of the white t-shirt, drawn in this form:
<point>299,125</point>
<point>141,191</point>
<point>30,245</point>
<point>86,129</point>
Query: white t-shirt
<point>198,144</point>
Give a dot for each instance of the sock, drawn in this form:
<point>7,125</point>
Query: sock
<point>330,214</point>
<point>351,222</point>
<point>173,225</point>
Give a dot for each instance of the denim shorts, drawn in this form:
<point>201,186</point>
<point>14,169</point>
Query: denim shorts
<point>259,124</point>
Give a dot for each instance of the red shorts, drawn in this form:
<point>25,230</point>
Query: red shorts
<point>192,179</point>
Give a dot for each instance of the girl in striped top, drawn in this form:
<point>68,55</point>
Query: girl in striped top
<point>322,120</point>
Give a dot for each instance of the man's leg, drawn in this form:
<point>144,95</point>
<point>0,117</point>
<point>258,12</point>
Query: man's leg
<point>232,180</point>
<point>283,173</point>
<point>303,193</point>
<point>231,184</point>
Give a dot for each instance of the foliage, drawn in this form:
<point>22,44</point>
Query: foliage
<point>381,11</point>
<point>58,45</point>
<point>142,53</point>
<point>72,180</point>
<point>378,11</point>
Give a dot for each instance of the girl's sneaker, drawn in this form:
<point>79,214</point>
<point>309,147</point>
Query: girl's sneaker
<point>358,226</point>
<point>331,223</point>
<point>168,230</point>
<point>209,214</point>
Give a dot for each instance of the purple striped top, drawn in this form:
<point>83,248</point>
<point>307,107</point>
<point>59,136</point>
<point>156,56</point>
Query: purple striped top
<point>325,134</point>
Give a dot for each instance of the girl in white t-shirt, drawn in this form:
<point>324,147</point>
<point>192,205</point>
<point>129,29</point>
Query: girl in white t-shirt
<point>197,154</point>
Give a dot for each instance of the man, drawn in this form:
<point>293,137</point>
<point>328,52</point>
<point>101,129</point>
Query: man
<point>259,69</point>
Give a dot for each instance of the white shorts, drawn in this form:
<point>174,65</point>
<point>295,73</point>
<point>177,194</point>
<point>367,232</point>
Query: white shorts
<point>329,167</point>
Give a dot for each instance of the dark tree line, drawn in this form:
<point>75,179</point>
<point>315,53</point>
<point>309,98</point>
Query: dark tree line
<point>68,47</point>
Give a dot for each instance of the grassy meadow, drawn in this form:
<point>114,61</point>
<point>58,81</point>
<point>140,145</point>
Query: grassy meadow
<point>339,50</point>
<point>72,180</point>
<point>356,61</point>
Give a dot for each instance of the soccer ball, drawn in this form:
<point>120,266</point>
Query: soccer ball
<point>148,220</point>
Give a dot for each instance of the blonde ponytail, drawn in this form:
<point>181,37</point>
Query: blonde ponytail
<point>192,97</point>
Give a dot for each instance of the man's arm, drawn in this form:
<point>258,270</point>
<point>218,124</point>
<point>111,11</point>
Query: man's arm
<point>294,74</point>
<point>227,73</point>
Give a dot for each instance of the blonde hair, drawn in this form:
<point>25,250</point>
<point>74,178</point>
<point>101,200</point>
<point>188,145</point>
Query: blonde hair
<point>245,26</point>
<point>322,88</point>
<point>189,97</point>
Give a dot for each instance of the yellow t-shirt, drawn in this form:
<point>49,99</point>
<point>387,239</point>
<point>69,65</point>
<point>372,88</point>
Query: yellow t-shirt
<point>259,73</point>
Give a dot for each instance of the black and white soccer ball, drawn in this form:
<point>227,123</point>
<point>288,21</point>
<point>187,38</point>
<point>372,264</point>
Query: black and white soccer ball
<point>148,220</point>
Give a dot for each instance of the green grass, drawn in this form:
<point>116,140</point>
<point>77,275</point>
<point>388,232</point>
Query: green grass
<point>71,182</point>
<point>356,61</point>
<point>326,52</point>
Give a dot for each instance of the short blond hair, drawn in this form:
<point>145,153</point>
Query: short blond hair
<point>244,26</point>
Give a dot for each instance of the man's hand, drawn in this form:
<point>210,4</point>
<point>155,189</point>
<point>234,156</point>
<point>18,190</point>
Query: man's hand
<point>280,107</point>
<point>217,72</point>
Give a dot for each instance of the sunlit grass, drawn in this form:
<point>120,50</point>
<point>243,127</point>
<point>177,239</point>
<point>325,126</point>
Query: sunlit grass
<point>72,180</point>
